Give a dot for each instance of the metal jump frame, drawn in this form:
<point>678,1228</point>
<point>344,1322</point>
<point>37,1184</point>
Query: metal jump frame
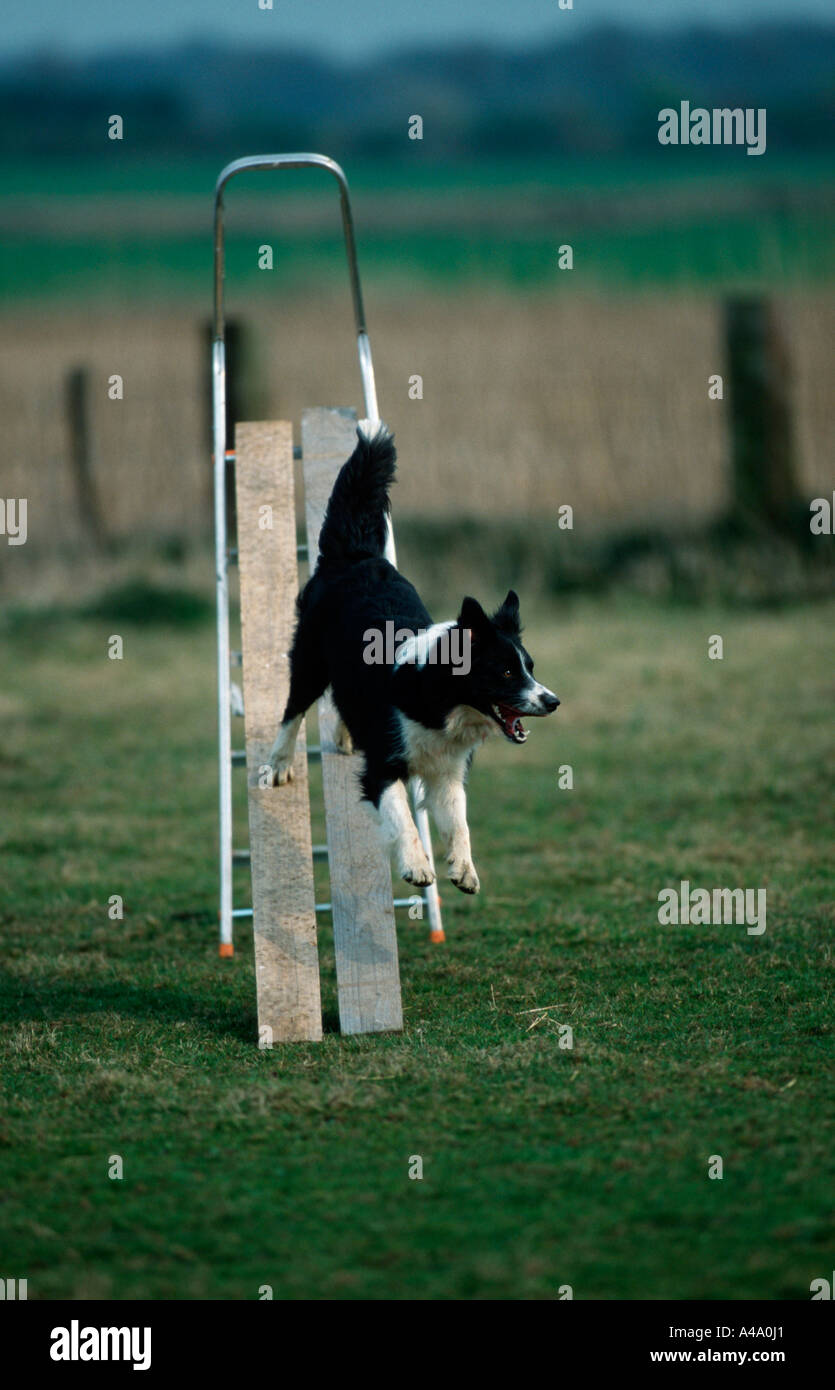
<point>227,757</point>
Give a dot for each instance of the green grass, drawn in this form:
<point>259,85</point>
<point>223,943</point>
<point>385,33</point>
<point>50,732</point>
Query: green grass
<point>703,244</point>
<point>116,171</point>
<point>785,250</point>
<point>542,1166</point>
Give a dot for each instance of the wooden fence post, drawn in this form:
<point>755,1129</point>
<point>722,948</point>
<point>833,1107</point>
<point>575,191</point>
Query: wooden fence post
<point>76,399</point>
<point>763,479</point>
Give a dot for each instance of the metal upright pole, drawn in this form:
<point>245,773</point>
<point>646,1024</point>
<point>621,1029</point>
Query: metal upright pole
<point>224,721</point>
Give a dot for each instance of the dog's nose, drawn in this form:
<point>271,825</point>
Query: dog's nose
<point>550,702</point>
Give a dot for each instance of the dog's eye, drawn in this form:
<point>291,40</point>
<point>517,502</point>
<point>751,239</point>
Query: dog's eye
<point>507,675</point>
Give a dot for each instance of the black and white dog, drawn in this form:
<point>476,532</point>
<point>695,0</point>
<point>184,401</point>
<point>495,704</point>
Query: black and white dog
<point>417,706</point>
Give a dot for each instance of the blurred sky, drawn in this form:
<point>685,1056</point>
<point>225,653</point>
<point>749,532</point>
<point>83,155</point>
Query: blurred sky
<point>348,28</point>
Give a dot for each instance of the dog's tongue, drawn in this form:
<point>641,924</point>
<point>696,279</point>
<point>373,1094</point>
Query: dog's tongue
<point>511,724</point>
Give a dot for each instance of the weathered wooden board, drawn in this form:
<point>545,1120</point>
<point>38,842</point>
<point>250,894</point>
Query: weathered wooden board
<point>284,905</point>
<point>365,938</point>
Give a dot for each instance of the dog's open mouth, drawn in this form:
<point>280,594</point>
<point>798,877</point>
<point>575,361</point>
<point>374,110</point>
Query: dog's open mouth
<point>510,722</point>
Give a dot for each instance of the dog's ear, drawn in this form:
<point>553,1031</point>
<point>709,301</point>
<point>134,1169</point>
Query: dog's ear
<point>473,616</point>
<point>506,617</point>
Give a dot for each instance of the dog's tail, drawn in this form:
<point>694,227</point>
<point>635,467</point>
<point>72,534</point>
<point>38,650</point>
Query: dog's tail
<point>354,527</point>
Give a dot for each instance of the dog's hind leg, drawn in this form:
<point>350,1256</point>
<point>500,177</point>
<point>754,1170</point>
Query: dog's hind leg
<point>447,800</point>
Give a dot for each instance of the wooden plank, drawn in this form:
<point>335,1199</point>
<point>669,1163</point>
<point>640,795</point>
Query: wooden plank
<point>284,910</point>
<point>365,937</point>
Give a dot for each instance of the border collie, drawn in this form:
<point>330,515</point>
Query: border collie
<point>410,713</point>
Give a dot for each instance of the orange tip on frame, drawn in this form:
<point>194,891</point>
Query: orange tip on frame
<point>437,935</point>
<point>226,949</point>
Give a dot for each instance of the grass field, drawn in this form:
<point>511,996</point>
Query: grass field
<point>122,229</point>
<point>118,171</point>
<point>542,1166</point>
<point>792,249</point>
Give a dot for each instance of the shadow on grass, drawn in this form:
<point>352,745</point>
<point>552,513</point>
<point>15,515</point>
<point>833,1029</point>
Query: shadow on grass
<point>70,1002</point>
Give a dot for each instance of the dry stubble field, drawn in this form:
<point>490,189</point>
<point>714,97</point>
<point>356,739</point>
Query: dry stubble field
<point>529,401</point>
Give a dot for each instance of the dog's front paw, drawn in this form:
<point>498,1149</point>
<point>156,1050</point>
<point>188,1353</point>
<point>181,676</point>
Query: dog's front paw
<point>418,872</point>
<point>462,873</point>
<point>282,773</point>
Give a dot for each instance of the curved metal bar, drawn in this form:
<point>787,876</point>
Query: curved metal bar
<point>300,161</point>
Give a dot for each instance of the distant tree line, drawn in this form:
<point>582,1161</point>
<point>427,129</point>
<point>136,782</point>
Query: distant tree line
<point>597,95</point>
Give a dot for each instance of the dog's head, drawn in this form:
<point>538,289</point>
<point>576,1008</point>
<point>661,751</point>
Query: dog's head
<point>501,682</point>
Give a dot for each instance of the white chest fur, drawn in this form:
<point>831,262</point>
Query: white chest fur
<point>434,753</point>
